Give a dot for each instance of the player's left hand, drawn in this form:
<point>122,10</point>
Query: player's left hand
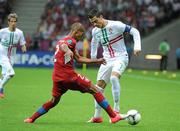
<point>23,48</point>
<point>137,52</point>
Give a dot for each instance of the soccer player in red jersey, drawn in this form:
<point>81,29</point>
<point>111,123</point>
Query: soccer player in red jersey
<point>65,78</point>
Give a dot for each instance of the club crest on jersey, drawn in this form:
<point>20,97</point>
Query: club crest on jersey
<point>110,30</point>
<point>69,42</point>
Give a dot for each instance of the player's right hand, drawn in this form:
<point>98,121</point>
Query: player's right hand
<point>137,52</point>
<point>102,61</point>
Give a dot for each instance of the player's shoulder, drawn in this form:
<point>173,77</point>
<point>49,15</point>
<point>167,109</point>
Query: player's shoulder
<point>4,29</point>
<point>19,30</point>
<point>70,40</point>
<point>67,40</point>
<point>113,22</point>
<point>61,41</point>
<point>95,30</point>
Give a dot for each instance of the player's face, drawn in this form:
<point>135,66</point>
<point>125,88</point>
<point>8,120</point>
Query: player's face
<point>12,23</point>
<point>97,21</point>
<point>79,35</point>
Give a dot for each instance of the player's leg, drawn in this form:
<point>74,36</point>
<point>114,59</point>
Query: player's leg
<point>84,85</point>
<point>97,113</point>
<point>114,79</point>
<point>7,74</point>
<point>117,70</point>
<point>1,89</point>
<point>97,118</point>
<point>57,92</point>
<point>161,63</point>
<point>101,100</point>
<point>43,109</point>
<point>102,78</point>
<point>165,62</point>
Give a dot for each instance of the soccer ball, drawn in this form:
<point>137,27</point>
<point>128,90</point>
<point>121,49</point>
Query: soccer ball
<point>133,117</point>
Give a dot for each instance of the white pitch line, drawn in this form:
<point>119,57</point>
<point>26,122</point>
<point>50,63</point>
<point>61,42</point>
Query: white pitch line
<point>152,78</point>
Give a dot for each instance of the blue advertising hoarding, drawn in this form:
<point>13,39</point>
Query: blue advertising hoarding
<point>34,59</point>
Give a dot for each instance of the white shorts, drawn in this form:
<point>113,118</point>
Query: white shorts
<point>118,65</point>
<point>5,63</point>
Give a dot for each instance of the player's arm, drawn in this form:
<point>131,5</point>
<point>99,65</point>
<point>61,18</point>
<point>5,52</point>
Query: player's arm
<point>136,38</point>
<point>22,42</point>
<point>81,59</point>
<point>0,34</point>
<point>94,45</point>
<point>23,48</point>
<point>64,47</point>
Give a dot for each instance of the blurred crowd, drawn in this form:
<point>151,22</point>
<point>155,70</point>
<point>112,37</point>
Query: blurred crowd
<point>145,15</point>
<point>4,11</point>
<point>58,15</point>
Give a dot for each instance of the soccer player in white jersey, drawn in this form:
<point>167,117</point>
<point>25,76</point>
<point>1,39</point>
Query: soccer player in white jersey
<point>10,37</point>
<point>109,34</point>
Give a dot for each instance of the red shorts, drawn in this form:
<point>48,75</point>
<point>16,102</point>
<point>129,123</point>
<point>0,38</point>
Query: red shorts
<point>80,83</point>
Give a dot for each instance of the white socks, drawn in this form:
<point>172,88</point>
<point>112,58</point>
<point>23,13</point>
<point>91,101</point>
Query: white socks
<point>97,106</point>
<point>115,92</point>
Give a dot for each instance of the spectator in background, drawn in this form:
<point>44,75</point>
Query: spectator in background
<point>178,58</point>
<point>145,15</point>
<point>164,49</point>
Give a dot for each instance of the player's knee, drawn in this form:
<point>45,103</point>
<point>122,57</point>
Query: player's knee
<point>12,75</point>
<point>8,76</point>
<point>101,83</point>
<point>55,100</point>
<point>114,79</point>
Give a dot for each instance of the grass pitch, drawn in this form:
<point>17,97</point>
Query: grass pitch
<point>155,95</point>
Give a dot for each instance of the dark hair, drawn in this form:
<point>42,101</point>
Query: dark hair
<point>92,13</point>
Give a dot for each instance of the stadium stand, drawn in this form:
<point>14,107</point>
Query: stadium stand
<point>146,15</point>
<point>44,22</point>
<point>5,8</point>
<point>58,15</point>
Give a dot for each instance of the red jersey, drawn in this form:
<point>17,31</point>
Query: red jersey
<point>62,71</point>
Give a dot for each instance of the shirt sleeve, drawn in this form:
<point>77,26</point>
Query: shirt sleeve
<point>134,32</point>
<point>22,39</point>
<point>123,28</point>
<point>136,38</point>
<point>60,42</point>
<point>94,45</point>
<point>70,43</point>
<point>0,34</point>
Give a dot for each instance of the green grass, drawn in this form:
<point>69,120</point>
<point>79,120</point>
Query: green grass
<point>155,95</point>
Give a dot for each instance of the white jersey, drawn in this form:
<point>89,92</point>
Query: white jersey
<point>9,41</point>
<point>112,40</point>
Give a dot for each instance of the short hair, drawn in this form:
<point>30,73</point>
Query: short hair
<point>94,12</point>
<point>12,15</point>
<point>77,26</point>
